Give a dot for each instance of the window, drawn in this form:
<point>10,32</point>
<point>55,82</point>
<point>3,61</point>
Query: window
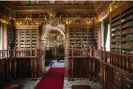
<point>0,36</point>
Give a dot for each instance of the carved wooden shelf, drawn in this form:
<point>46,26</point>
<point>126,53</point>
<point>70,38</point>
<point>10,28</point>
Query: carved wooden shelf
<point>26,38</point>
<point>122,30</point>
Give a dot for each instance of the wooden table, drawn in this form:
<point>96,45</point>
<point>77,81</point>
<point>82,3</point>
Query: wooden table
<point>81,87</point>
<point>12,86</point>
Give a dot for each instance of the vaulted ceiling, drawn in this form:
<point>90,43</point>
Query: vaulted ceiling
<point>64,8</point>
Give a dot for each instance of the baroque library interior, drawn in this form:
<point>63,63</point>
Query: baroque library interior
<point>70,44</point>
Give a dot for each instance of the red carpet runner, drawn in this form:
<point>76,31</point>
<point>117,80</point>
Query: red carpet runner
<point>54,79</point>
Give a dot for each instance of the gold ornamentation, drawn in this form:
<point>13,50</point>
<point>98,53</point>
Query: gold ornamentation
<point>52,19</point>
<point>114,5</point>
<point>3,21</point>
<point>80,20</point>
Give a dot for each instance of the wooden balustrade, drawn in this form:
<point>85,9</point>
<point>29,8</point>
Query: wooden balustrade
<point>2,72</point>
<point>78,52</point>
<point>4,54</point>
<point>22,53</point>
<point>96,54</point>
<point>122,61</point>
<point>101,65</point>
<point>12,63</point>
<point>18,53</point>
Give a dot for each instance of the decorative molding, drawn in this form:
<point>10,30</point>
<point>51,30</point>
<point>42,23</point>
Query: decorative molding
<point>110,8</point>
<point>80,20</point>
<point>27,27</point>
<point>55,7</point>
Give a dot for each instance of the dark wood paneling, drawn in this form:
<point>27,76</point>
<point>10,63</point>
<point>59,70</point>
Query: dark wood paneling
<point>2,72</point>
<point>77,68</point>
<point>23,67</point>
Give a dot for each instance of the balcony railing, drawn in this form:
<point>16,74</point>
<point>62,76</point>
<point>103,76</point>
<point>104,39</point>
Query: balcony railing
<point>10,60</point>
<point>20,53</point>
<point>114,59</point>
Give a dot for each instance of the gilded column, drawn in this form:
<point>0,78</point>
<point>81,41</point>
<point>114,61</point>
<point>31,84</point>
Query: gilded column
<point>66,49</point>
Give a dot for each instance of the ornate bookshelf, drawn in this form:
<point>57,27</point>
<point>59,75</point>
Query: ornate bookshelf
<point>122,30</point>
<point>26,39</point>
<point>122,41</point>
<point>80,39</point>
<point>11,34</point>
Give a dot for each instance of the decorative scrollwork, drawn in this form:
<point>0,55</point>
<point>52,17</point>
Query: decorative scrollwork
<point>52,19</point>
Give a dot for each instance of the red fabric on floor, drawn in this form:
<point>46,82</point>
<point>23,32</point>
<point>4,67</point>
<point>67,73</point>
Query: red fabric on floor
<point>54,79</point>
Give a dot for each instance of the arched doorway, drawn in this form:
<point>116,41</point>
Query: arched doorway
<point>54,41</point>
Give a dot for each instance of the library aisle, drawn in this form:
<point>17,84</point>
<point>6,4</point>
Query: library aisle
<point>28,84</point>
<point>54,79</point>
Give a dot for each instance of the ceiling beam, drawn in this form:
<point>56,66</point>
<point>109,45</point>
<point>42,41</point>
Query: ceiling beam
<point>57,10</point>
<point>55,7</point>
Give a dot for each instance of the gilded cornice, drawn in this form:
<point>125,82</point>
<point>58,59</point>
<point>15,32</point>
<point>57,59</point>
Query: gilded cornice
<point>109,9</point>
<point>69,20</point>
<point>27,27</point>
